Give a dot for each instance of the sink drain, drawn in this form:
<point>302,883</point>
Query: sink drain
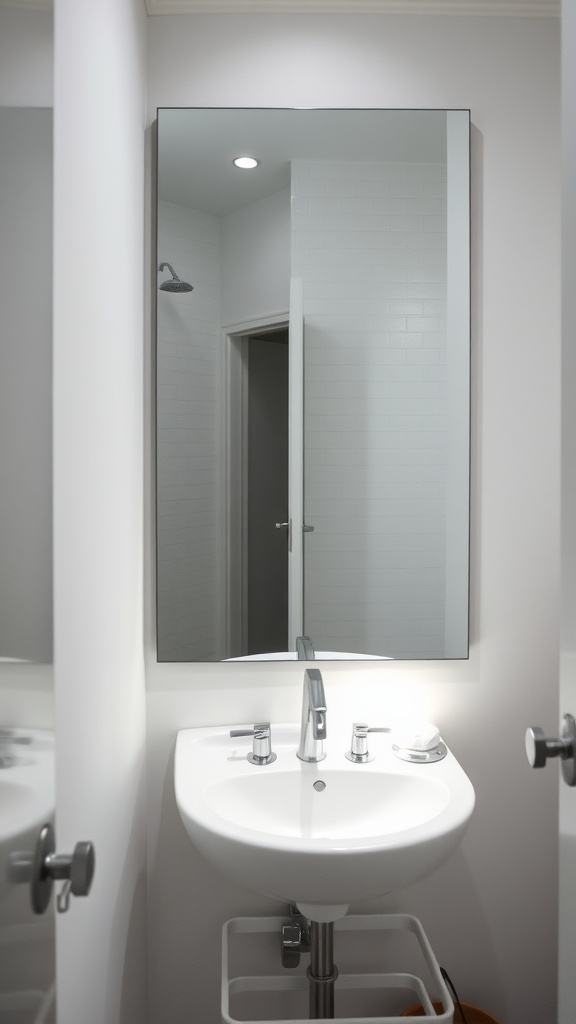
<point>319,785</point>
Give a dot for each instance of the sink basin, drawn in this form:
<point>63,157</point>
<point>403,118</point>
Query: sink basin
<point>318,835</point>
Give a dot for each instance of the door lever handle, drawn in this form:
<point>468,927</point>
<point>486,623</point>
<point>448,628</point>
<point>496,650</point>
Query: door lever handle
<point>540,748</point>
<point>288,527</point>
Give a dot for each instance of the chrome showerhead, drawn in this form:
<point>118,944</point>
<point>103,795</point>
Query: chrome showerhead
<point>174,284</point>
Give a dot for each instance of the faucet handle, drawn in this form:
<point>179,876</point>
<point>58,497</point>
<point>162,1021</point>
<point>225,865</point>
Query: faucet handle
<point>358,752</point>
<point>262,746</point>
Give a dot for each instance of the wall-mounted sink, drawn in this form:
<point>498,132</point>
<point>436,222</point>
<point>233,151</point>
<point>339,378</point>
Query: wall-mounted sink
<point>319,835</point>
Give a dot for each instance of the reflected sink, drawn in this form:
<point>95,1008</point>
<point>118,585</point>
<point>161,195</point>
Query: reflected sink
<point>320,656</point>
<point>27,786</point>
<point>318,835</point>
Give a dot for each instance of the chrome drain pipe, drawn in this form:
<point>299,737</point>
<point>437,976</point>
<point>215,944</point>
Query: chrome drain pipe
<point>322,972</point>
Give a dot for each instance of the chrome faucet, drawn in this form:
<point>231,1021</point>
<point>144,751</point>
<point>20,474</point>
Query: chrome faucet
<point>305,649</point>
<point>313,729</point>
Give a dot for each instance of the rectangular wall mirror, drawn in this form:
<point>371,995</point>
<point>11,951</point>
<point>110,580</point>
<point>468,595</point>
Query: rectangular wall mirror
<point>26,385</point>
<point>312,383</point>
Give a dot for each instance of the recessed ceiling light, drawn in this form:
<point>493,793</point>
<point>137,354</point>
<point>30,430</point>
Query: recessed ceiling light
<point>246,162</point>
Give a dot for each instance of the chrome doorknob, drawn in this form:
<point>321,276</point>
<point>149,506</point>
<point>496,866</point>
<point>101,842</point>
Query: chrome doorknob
<point>540,748</point>
<point>44,866</point>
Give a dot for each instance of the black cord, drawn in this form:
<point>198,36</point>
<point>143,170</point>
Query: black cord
<point>454,994</point>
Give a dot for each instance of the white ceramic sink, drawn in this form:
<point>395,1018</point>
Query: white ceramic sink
<point>369,830</point>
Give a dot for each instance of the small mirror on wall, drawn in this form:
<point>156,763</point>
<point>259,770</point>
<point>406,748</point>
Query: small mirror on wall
<point>26,385</point>
<point>313,340</point>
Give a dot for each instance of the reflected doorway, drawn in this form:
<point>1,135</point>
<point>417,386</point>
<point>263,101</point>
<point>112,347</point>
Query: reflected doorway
<point>267,492</point>
<point>257,506</point>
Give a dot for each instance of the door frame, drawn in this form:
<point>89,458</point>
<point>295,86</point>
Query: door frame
<point>296,462</point>
<point>234,463</point>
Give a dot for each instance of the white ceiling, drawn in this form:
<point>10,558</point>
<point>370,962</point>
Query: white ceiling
<point>196,148</point>
<point>511,8</point>
<point>533,8</point>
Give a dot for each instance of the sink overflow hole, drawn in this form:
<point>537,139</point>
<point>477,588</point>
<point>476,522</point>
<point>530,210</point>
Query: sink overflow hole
<point>319,786</point>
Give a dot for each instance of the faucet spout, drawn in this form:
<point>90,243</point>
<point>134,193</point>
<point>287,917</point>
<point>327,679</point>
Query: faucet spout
<point>313,728</point>
<point>305,649</point>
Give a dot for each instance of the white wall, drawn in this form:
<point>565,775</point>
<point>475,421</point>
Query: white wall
<point>190,551</point>
<point>473,909</point>
<point>100,48</point>
<point>256,252</point>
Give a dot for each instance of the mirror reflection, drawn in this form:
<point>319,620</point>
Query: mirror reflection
<point>26,384</point>
<point>27,784</point>
<point>312,382</point>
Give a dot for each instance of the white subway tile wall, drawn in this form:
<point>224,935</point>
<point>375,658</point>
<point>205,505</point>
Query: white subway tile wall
<point>190,573</point>
<point>369,243</point>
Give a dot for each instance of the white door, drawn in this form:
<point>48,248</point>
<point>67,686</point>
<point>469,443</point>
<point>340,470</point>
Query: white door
<point>99,165</point>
